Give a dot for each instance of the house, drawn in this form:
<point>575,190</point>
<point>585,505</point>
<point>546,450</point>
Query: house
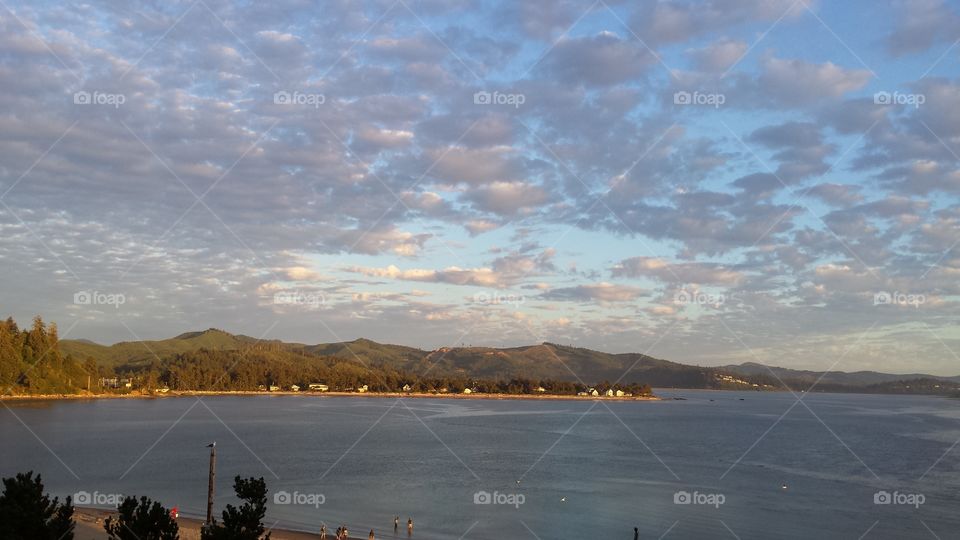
<point>619,393</point>
<point>582,393</point>
<point>317,387</point>
<point>274,388</point>
<point>540,389</point>
<point>407,388</point>
<point>609,392</point>
<point>363,389</point>
<point>467,391</point>
<point>163,390</point>
<point>593,392</point>
<point>262,388</point>
<point>294,388</point>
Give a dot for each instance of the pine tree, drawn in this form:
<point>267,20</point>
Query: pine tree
<point>27,513</point>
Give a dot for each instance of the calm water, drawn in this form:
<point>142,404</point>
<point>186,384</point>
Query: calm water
<point>586,471</point>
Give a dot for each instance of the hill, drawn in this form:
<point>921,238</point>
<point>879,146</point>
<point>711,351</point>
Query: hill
<point>545,361</point>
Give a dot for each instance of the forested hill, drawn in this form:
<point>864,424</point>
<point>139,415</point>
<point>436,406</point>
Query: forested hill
<point>536,362</point>
<point>34,361</point>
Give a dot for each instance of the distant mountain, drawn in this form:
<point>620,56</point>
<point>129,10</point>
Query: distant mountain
<point>543,361</point>
<point>856,378</point>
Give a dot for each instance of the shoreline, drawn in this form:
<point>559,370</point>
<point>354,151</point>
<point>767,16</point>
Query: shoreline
<point>382,395</point>
<point>89,526</point>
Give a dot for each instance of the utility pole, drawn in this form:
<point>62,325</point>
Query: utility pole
<point>210,485</point>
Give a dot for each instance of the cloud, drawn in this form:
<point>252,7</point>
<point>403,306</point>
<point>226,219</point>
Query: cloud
<point>481,277</point>
<point>701,273</point>
<point>599,292</point>
<point>922,24</point>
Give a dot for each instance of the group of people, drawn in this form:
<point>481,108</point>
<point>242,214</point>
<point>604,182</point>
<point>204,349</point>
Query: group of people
<point>344,534</point>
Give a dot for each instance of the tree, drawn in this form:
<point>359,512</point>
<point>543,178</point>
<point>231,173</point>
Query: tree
<point>246,522</point>
<point>143,520</point>
<point>27,513</point>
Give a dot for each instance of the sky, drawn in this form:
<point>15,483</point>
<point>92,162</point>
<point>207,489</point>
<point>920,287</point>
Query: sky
<point>708,182</point>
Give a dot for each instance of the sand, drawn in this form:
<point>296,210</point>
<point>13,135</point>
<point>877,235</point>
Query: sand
<point>90,527</point>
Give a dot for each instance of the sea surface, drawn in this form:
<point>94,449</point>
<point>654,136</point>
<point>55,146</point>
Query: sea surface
<point>751,465</point>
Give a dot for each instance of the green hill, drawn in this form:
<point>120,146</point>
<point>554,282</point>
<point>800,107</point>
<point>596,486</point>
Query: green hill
<point>141,352</point>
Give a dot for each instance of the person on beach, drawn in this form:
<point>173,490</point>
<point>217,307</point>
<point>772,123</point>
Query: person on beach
<point>370,537</point>
<point>323,532</point>
<point>346,534</point>
<point>339,533</point>
<point>636,534</point>
<point>396,523</point>
<point>409,526</point>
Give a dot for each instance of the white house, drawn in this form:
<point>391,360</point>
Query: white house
<point>363,389</point>
<point>318,387</point>
<point>274,388</point>
<point>407,388</point>
<point>294,388</point>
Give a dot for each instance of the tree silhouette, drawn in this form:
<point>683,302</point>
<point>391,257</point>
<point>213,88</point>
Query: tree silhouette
<point>143,520</point>
<point>246,522</point>
<point>27,513</point>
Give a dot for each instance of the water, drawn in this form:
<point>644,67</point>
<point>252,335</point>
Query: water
<point>586,471</point>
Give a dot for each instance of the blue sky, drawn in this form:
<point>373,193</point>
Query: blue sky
<point>321,172</point>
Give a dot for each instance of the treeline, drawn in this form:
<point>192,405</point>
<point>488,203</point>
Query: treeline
<point>254,369</point>
<point>31,361</point>
<point>28,513</point>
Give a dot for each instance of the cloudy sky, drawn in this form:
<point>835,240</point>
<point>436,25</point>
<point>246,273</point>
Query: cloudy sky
<point>710,182</point>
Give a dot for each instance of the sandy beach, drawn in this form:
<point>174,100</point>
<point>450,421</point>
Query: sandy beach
<point>90,527</point>
<point>417,395</point>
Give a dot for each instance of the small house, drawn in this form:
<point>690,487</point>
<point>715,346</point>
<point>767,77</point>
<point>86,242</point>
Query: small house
<point>274,388</point>
<point>540,389</point>
<point>318,387</point>
<point>407,388</point>
<point>619,393</point>
<point>467,391</point>
<point>609,392</point>
<point>294,388</point>
<point>364,388</point>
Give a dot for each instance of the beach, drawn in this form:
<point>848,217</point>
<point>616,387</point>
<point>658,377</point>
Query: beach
<point>416,395</point>
<point>90,527</point>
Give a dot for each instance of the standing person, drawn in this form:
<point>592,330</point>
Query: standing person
<point>323,532</point>
<point>409,526</point>
<point>396,523</point>
<point>636,534</point>
<point>346,534</point>
<point>370,537</point>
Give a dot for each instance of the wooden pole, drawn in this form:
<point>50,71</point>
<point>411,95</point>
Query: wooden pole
<point>210,482</point>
